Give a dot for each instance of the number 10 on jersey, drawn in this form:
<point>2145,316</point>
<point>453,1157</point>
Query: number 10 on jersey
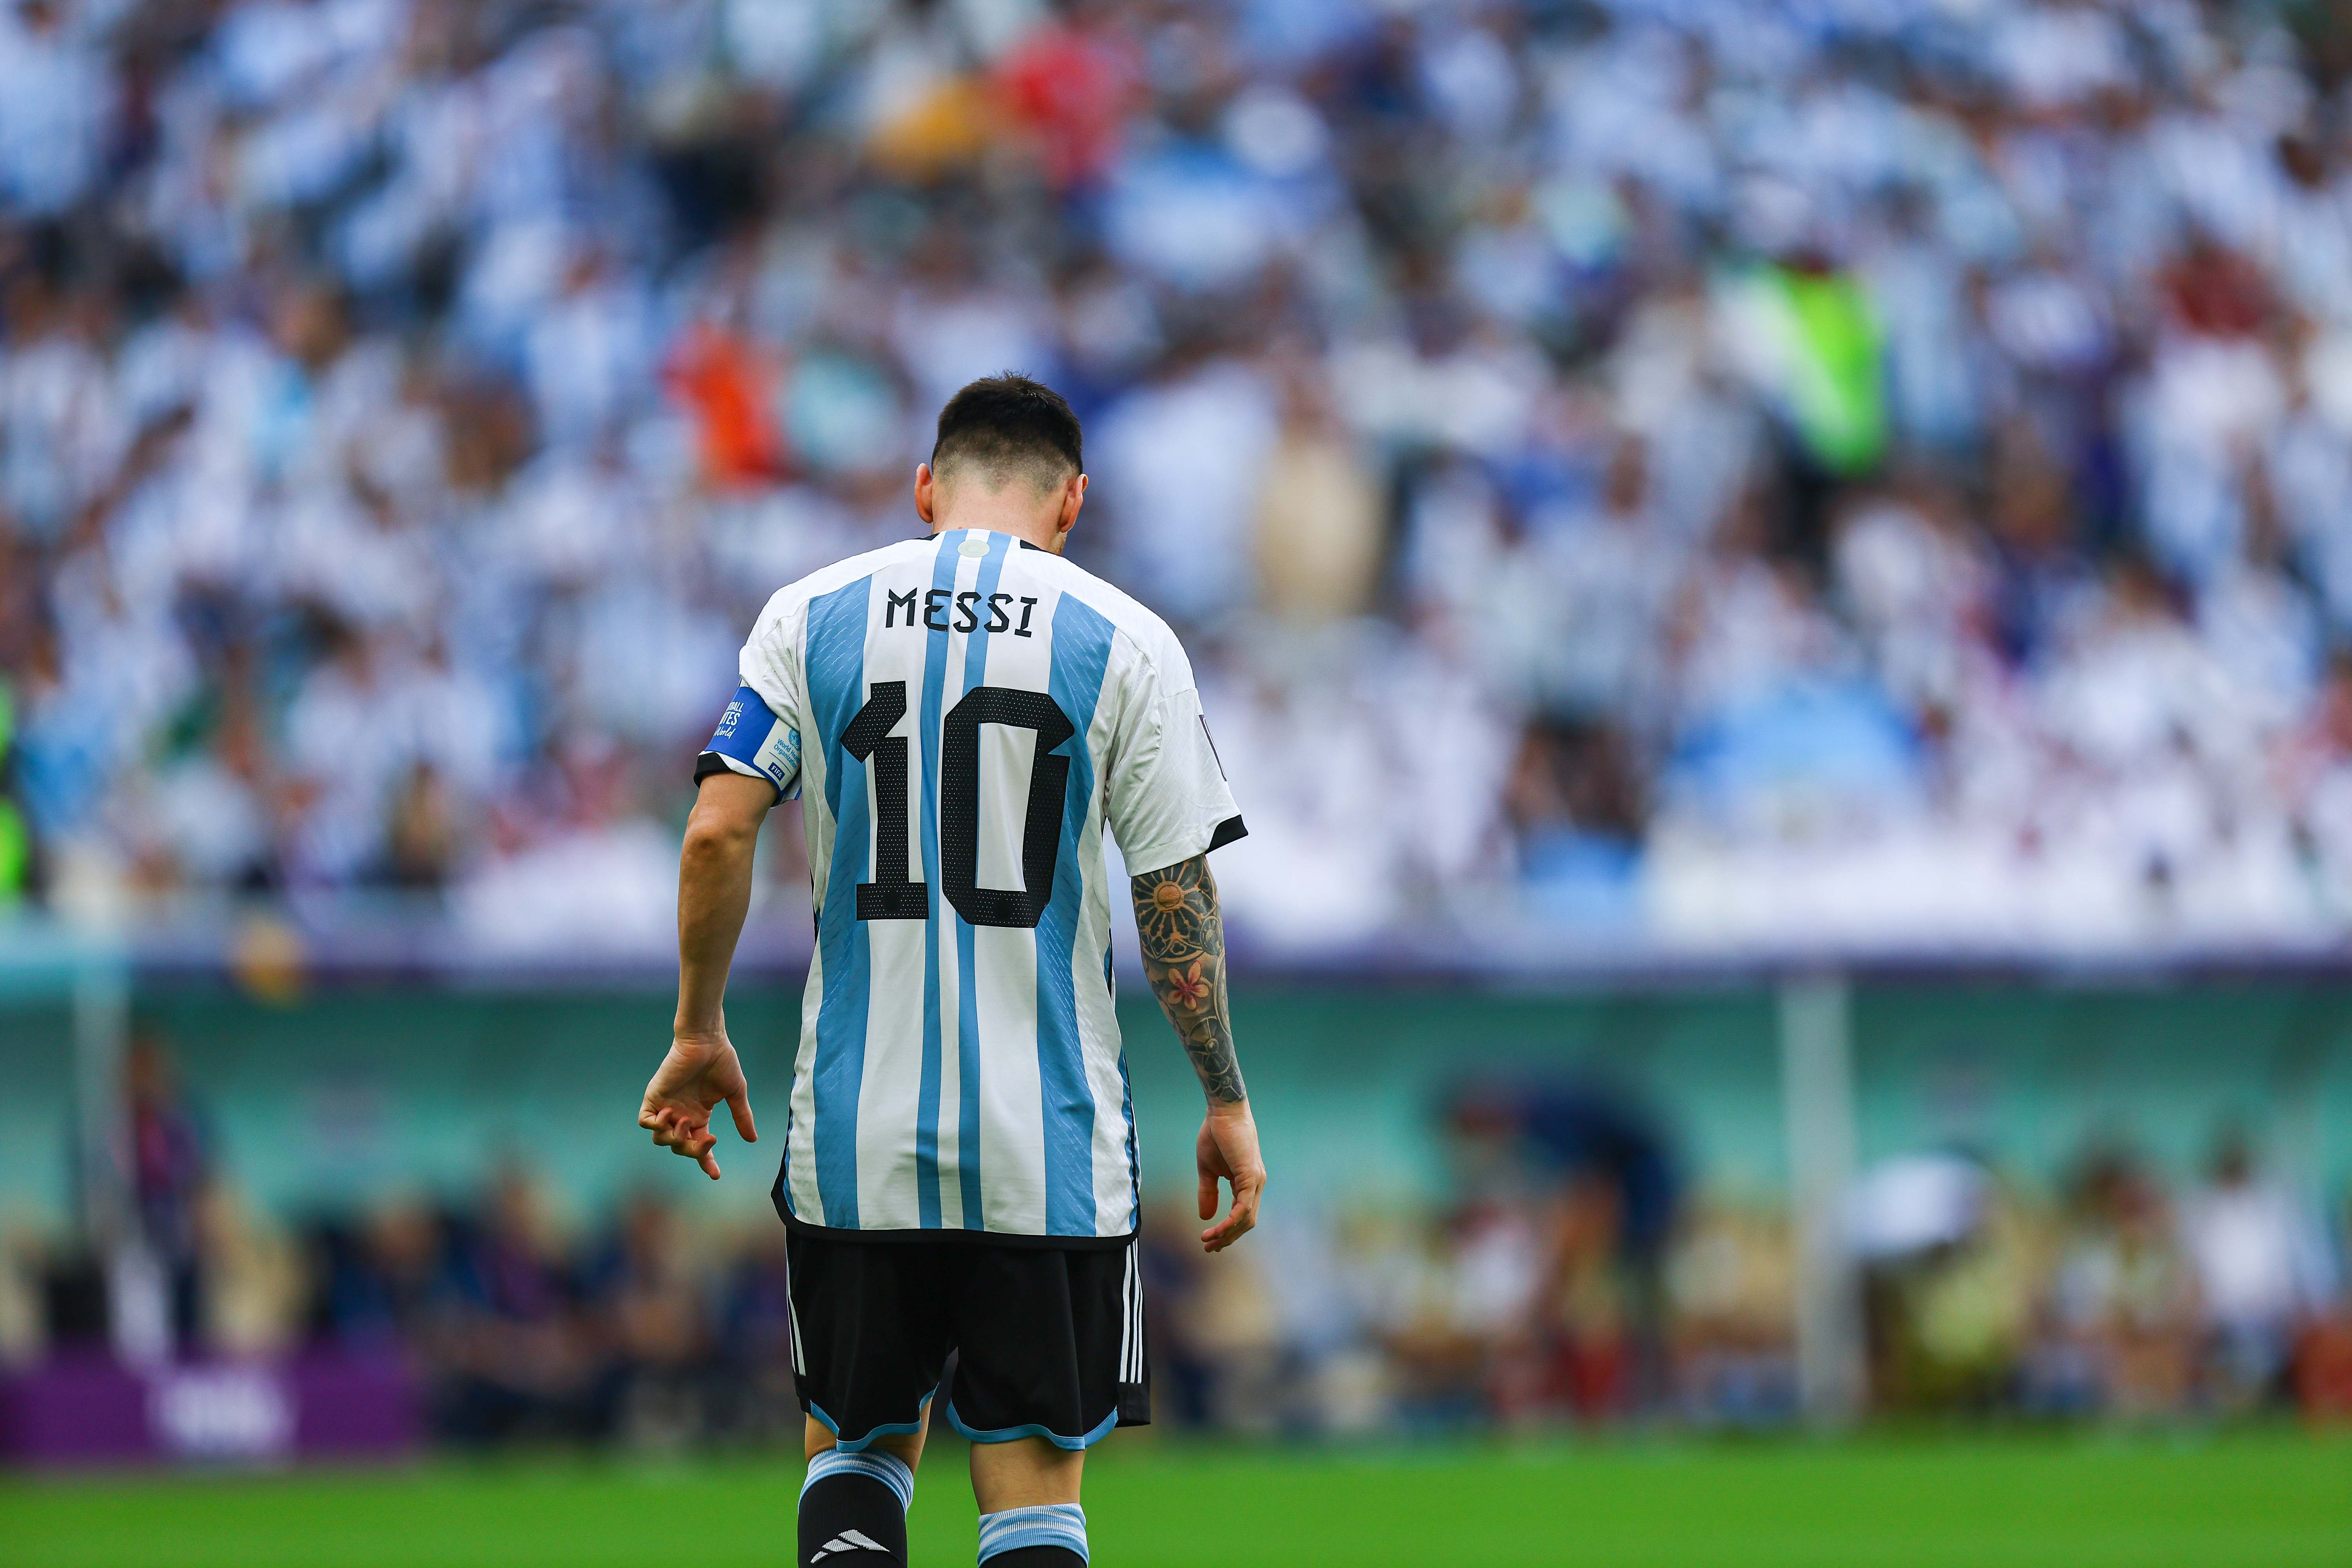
<point>893,895</point>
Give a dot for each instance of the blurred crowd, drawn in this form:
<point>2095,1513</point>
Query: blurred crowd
<point>1567,1278</point>
<point>1863,471</point>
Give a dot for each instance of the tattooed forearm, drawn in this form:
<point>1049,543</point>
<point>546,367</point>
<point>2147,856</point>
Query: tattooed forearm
<point>1185,958</point>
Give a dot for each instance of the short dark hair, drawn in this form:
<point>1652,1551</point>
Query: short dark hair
<point>1008,426</point>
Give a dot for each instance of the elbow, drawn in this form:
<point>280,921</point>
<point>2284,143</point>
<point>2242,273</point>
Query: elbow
<point>718,840</point>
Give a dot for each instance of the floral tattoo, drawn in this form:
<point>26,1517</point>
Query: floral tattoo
<point>1183,937</point>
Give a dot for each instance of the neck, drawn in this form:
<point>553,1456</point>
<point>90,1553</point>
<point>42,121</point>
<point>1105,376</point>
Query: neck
<point>1020,523</point>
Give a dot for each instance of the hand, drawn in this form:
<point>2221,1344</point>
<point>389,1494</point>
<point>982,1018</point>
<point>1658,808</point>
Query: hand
<point>1228,1148</point>
<point>699,1072</point>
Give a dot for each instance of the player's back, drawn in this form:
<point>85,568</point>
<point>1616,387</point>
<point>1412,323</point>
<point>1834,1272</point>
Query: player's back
<point>967,711</point>
<point>965,717</point>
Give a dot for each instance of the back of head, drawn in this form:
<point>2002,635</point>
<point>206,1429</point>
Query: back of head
<point>1006,427</point>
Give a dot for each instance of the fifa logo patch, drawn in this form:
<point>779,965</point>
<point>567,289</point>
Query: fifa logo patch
<point>780,757</point>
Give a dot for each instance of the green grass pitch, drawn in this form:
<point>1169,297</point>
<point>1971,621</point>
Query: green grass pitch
<point>2263,1500</point>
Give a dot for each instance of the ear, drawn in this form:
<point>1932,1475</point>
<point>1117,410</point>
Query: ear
<point>927,486</point>
<point>1074,495</point>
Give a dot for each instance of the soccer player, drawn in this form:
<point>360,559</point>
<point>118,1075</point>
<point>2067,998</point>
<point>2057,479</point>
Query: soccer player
<point>963,715</point>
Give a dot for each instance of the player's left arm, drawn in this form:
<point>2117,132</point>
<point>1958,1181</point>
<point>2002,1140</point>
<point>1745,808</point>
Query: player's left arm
<point>1182,932</point>
<point>714,894</point>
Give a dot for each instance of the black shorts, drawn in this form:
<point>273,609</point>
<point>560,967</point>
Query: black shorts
<point>1047,1342</point>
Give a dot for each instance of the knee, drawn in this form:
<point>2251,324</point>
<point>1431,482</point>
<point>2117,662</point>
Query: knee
<point>1025,1473</point>
<point>906,1445</point>
<point>818,1438</point>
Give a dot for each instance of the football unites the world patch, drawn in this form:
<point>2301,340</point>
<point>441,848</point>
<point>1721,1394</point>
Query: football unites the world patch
<point>752,736</point>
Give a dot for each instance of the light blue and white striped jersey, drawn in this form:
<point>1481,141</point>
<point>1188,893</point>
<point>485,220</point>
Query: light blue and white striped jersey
<point>962,715</point>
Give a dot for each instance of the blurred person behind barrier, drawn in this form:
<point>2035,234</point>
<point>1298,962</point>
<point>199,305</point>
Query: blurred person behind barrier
<point>1587,1174</point>
<point>251,1278</point>
<point>646,1298</point>
<point>386,1281</point>
<point>23,1327</point>
<point>2322,1370</point>
<point>2260,1273</point>
<point>1730,1283</point>
<point>2123,1296</point>
<point>1952,1266</point>
<point>756,1396</point>
<point>517,1356</point>
<point>1586,1307</point>
<point>170,1166</point>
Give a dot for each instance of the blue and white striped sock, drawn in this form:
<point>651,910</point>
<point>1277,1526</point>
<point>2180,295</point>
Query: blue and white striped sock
<point>888,1468</point>
<point>1056,1524</point>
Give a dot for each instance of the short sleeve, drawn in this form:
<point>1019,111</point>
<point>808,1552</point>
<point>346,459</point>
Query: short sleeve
<point>753,741</point>
<point>758,735</point>
<point>1166,794</point>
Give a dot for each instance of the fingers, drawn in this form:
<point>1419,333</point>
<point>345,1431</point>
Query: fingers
<point>694,1141</point>
<point>1245,1202</point>
<point>670,1110</point>
<point>1208,1194</point>
<point>676,1129</point>
<point>1241,1219</point>
<point>660,1118</point>
<point>684,1133</point>
<point>695,1144</point>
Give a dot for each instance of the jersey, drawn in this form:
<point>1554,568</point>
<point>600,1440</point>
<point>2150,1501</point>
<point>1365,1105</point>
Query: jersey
<point>964,716</point>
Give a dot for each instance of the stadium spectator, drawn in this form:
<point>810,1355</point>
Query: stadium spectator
<point>171,1175</point>
<point>651,1315</point>
<point>520,1359</point>
<point>1731,1283</point>
<point>24,1326</point>
<point>2261,1273</point>
<point>2322,1370</point>
<point>252,1285</point>
<point>1915,441</point>
<point>755,1396</point>
<point>383,1283</point>
<point>1523,1309</point>
<point>2123,1299</point>
<point>1865,476</point>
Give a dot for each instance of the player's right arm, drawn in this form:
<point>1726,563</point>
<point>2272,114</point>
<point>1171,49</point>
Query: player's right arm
<point>714,893</point>
<point>1184,940</point>
<point>753,762</point>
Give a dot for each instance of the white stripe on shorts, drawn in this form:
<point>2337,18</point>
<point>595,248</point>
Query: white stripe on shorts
<point>1127,1317</point>
<point>792,1323</point>
<point>1130,1340</point>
